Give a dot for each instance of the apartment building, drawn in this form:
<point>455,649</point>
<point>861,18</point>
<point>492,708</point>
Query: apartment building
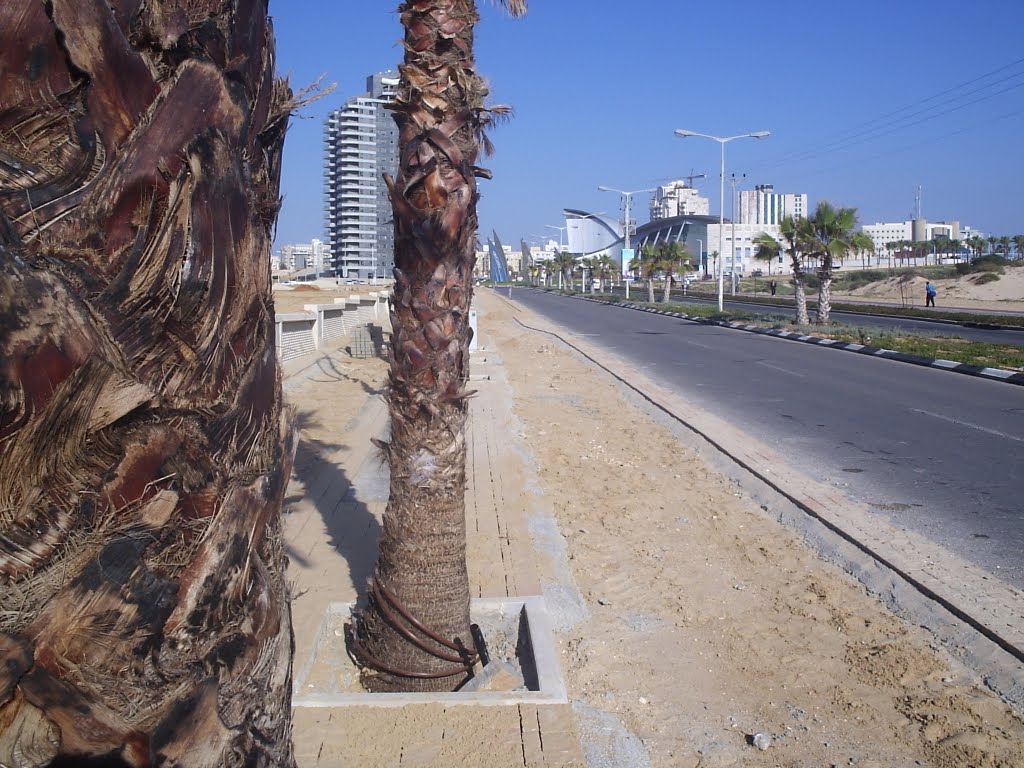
<point>677,198</point>
<point>360,146</point>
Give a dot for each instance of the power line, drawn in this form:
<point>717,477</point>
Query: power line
<point>866,129</point>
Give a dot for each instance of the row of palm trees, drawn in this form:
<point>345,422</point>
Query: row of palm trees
<point>945,247</point>
<point>565,265</point>
<point>825,239</point>
<point>668,259</point>
<point>661,261</point>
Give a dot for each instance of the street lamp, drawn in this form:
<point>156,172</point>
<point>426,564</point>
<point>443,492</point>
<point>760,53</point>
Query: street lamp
<point>560,231</point>
<point>626,197</point>
<point>723,140</point>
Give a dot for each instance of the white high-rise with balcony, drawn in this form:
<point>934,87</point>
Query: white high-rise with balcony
<point>360,146</point>
<point>677,199</point>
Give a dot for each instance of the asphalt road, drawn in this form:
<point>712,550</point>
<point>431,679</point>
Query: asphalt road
<point>936,452</point>
<point>987,335</point>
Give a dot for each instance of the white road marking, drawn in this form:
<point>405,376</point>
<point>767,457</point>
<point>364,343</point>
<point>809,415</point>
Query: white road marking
<point>781,370</point>
<point>958,422</point>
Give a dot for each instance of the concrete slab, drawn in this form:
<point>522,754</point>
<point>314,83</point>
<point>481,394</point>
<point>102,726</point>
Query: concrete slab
<point>328,678</point>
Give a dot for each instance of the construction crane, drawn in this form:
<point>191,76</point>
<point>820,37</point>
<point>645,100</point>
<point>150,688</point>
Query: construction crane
<point>689,179</point>
<point>692,176</point>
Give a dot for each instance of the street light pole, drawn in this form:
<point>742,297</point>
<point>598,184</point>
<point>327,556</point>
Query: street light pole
<point>722,140</point>
<point>627,196</point>
<point>734,180</point>
<point>560,231</point>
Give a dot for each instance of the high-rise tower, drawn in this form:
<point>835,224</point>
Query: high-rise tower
<point>360,146</point>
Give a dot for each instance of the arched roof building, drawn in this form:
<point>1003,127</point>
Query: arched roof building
<point>689,229</point>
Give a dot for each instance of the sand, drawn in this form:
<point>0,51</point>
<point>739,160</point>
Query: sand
<point>1004,294</point>
<point>702,621</point>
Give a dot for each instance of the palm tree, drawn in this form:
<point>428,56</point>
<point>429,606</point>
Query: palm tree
<point>977,244</point>
<point>414,631</point>
<point>1004,246</point>
<point>144,450</point>
<point>830,237</point>
<point>673,259</point>
<point>606,270</point>
<point>646,264</point>
<point>865,246</point>
<point>1018,246</point>
<point>566,264</point>
<point>795,232</point>
<point>767,249</point>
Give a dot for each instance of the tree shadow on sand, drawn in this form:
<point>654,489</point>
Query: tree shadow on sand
<point>351,527</point>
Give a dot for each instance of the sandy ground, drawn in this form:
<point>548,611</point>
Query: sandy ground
<point>699,620</point>
<point>294,298</point>
<point>708,621</point>
<point>1004,294</point>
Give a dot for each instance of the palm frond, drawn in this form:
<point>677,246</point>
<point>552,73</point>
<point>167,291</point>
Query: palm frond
<point>514,7</point>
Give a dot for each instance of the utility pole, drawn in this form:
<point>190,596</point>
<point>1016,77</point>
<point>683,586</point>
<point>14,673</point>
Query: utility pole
<point>734,180</point>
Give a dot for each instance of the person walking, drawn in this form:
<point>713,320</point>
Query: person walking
<point>929,294</point>
<point>773,286</point>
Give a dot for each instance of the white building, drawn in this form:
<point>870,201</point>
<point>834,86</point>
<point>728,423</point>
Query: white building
<point>914,230</point>
<point>745,247</point>
<point>677,199</point>
<point>763,205</point>
<point>360,146</point>
<point>312,255</point>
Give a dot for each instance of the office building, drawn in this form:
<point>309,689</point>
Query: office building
<point>913,230</point>
<point>360,146</point>
<point>298,256</point>
<point>763,205</point>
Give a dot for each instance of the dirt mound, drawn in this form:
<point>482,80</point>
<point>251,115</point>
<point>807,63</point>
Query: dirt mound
<point>974,290</point>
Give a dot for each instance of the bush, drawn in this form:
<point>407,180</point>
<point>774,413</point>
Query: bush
<point>986,277</point>
<point>990,263</point>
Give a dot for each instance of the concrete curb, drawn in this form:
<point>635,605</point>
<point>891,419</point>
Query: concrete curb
<point>993,374</point>
<point>848,309</point>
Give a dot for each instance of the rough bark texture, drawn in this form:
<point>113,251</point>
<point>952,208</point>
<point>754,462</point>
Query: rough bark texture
<point>144,616</point>
<point>422,559</point>
<point>825,297</point>
<point>801,300</point>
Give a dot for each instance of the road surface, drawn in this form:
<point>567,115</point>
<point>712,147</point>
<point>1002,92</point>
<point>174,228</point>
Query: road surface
<point>937,452</point>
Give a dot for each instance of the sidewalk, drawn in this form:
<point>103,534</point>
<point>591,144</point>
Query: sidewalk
<point>688,617</point>
<point>336,499</point>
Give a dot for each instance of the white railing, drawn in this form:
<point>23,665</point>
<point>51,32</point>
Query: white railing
<point>299,333</point>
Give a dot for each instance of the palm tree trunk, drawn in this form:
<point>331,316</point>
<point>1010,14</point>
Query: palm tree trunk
<point>668,288</point>
<point>144,451</point>
<point>799,292</point>
<point>420,579</point>
<point>825,296</point>
<point>802,318</point>
<point>650,290</point>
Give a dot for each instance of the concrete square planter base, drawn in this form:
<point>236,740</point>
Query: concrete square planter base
<point>515,628</point>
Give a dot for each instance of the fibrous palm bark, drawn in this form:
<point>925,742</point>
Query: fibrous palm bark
<point>144,452</point>
<point>414,633</point>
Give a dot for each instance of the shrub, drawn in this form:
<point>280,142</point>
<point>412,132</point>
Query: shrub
<point>986,277</point>
<point>990,263</point>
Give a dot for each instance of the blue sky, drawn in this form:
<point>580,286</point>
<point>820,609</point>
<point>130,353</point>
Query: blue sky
<point>865,101</point>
